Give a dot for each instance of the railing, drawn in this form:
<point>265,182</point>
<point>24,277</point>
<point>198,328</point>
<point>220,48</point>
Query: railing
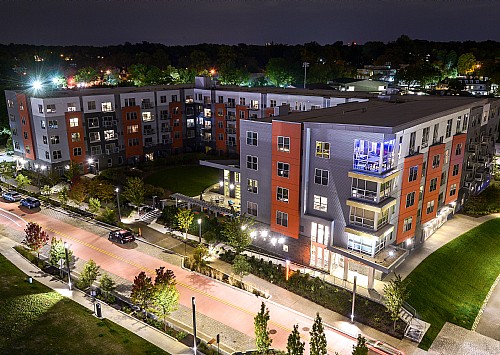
<point>149,131</point>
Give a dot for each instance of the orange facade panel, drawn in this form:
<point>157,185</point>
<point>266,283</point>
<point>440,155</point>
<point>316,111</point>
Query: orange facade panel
<point>432,182</point>
<point>27,134</point>
<point>220,132</point>
<point>455,168</point>
<point>75,134</point>
<point>286,157</point>
<point>132,131</point>
<point>410,184</point>
<point>176,124</point>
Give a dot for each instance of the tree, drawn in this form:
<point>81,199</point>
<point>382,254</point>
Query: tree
<point>466,63</point>
<point>108,215</point>
<point>78,192</point>
<point>63,196</point>
<point>45,191</point>
<point>89,274</point>
<point>456,85</point>
<point>164,276</point>
<point>142,291</point>
<point>237,232</point>
<point>58,252</point>
<point>22,181</point>
<point>396,293</point>
<point>294,346</point>
<point>200,253</point>
<point>168,215</point>
<point>103,190</point>
<point>277,72</point>
<point>317,341</point>
<point>36,238</point>
<point>94,205</point>
<point>262,339</point>
<point>73,171</point>
<point>184,219</point>
<point>166,299</point>
<point>360,348</point>
<point>134,191</point>
<point>241,267</point>
<point>107,285</point>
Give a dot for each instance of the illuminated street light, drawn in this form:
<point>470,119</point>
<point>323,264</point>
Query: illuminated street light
<point>264,234</point>
<point>253,234</point>
<point>66,246</point>
<point>199,230</point>
<point>117,190</point>
<point>287,269</point>
<point>221,183</point>
<point>231,187</point>
<point>37,85</point>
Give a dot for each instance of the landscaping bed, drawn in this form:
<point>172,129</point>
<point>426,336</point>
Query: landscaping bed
<point>485,203</point>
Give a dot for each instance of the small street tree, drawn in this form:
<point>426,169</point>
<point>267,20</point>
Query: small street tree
<point>107,285</point>
<point>165,295</point>
<point>241,267</point>
<point>46,191</point>
<point>184,219</point>
<point>360,348</point>
<point>78,192</point>
<point>22,181</point>
<point>396,293</point>
<point>73,171</point>
<point>317,340</point>
<point>142,291</point>
<point>89,274</point>
<point>262,339</point>
<point>134,191</point>
<point>237,232</point>
<point>294,346</point>
<point>94,205</point>
<point>35,237</point>
<point>200,253</point>
<point>63,196</point>
<point>108,215</point>
<point>58,252</point>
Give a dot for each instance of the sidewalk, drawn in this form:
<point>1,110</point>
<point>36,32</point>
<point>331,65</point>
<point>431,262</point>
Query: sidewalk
<point>154,336</point>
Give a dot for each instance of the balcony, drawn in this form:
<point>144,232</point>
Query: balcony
<point>231,143</point>
<point>146,106</point>
<point>149,131</point>
<point>230,118</point>
<point>230,130</point>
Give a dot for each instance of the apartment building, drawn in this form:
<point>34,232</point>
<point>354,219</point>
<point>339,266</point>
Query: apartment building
<point>100,128</point>
<point>355,187</point>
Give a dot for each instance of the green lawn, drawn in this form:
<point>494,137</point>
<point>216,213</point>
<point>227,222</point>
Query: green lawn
<point>37,320</point>
<point>451,284</point>
<point>187,180</point>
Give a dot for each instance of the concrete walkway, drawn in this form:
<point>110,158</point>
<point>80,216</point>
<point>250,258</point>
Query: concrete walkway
<point>154,336</point>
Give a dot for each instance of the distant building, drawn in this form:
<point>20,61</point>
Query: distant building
<point>475,85</point>
<point>377,72</point>
<point>349,84</point>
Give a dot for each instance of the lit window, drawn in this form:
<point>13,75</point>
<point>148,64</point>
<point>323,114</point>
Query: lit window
<point>282,194</point>
<point>283,144</point>
<point>106,107</point>
<point>430,207</point>
<point>323,150</point>
<point>252,186</point>
<point>51,108</point>
<point>54,140</point>
<point>147,116</point>
<point>453,189</point>
<point>73,122</point>
<point>71,107</point>
<point>75,137</point>
<point>283,169</point>
<point>133,128</point>
<point>109,135</point>
<point>407,224</point>
<point>320,203</point>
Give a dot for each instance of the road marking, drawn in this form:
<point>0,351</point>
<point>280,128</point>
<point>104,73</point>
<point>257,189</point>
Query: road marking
<point>12,214</point>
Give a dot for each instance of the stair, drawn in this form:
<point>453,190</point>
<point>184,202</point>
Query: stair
<point>151,216</point>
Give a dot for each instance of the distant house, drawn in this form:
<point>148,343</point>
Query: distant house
<point>349,84</point>
<point>377,72</point>
<point>477,86</point>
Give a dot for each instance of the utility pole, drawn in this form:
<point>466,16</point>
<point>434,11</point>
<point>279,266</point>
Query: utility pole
<point>305,65</point>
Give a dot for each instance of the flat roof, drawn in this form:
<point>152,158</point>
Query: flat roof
<point>385,113</point>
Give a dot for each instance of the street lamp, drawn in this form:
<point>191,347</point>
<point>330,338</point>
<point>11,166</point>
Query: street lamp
<point>305,65</point>
<point>193,302</point>
<point>66,246</point>
<point>199,230</point>
<point>37,169</point>
<point>353,299</point>
<point>117,190</point>
<point>91,162</point>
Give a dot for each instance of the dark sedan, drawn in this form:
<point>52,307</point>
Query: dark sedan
<point>121,236</point>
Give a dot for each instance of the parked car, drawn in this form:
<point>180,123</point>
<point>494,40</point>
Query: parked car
<point>30,202</point>
<point>121,236</point>
<point>11,196</point>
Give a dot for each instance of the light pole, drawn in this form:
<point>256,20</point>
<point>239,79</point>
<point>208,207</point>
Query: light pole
<point>66,246</point>
<point>305,65</point>
<point>117,190</point>
<point>90,161</point>
<point>43,167</point>
<point>353,299</point>
<point>199,230</point>
<point>193,302</point>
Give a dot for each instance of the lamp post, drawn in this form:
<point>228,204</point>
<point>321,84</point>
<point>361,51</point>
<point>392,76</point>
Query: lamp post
<point>193,302</point>
<point>117,190</point>
<point>66,246</point>
<point>305,65</point>
<point>91,162</point>
<point>43,167</point>
<point>353,299</point>
<point>199,230</point>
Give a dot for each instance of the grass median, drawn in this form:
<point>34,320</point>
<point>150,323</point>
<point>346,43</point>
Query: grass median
<point>37,320</point>
<point>450,285</point>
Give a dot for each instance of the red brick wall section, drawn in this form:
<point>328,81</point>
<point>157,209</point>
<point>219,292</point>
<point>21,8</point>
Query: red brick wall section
<point>26,127</point>
<point>455,159</point>
<point>432,173</point>
<point>81,143</point>
<point>131,151</point>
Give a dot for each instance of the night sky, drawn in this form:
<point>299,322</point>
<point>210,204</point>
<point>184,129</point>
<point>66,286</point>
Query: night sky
<point>171,22</point>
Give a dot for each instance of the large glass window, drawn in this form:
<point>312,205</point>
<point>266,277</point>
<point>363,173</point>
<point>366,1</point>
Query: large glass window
<point>364,189</point>
<point>373,156</point>
<point>283,169</point>
<point>323,150</point>
<point>252,186</point>
<point>359,244</point>
<point>283,144</point>
<point>321,177</point>
<point>320,203</point>
<point>362,217</point>
<point>251,138</point>
<point>252,162</point>
<point>282,194</point>
<point>282,218</point>
<point>320,233</point>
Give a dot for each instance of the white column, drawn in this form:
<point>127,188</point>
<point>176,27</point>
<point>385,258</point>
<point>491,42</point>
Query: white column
<point>346,268</point>
<point>371,277</point>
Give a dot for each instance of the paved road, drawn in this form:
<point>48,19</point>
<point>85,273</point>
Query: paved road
<point>227,305</point>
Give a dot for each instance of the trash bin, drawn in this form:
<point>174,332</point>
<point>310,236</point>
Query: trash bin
<point>98,311</point>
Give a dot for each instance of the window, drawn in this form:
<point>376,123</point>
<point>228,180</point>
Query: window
<point>453,189</point>
<point>443,178</point>
<point>106,107</point>
<point>252,186</point>
<point>163,99</point>
<point>73,122</point>
<point>282,218</point>
<point>283,144</point>
<point>459,125</point>
<point>91,105</point>
<point>109,135</point>
<point>131,116</point>
<point>220,136</point>
<point>12,117</point>
<point>96,150</point>
<point>10,103</point>
<point>251,138</point>
<point>430,207</point>
<point>436,133</point>
<point>147,116</point>
<point>47,155</point>
<point>455,169</point>
<point>283,169</point>
<point>320,203</point>
<point>433,184</point>
<point>242,101</point>
<point>252,208</point>
<point>163,114</point>
<point>51,108</point>
<point>435,161</point>
<point>411,147</point>
<point>75,137</point>
<point>446,156</point>
<point>94,137</point>
<point>254,104</point>
<point>410,199</point>
<point>323,149</point>
<point>407,224</point>
<point>44,138</point>
<point>412,176</point>
<point>176,122</point>
<point>321,177</point>
<point>425,137</point>
<point>177,134</point>
<point>77,151</point>
<point>40,108</point>
<point>252,162</point>
<point>449,125</point>
<point>458,149</point>
<point>27,148</point>
<point>93,122</point>
<point>174,98</point>
<point>132,142</point>
<point>282,194</point>
<point>130,102</point>
<point>272,103</point>
<point>52,124</point>
<point>54,140</point>
<point>56,154</point>
<point>133,128</point>
<point>25,134</point>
